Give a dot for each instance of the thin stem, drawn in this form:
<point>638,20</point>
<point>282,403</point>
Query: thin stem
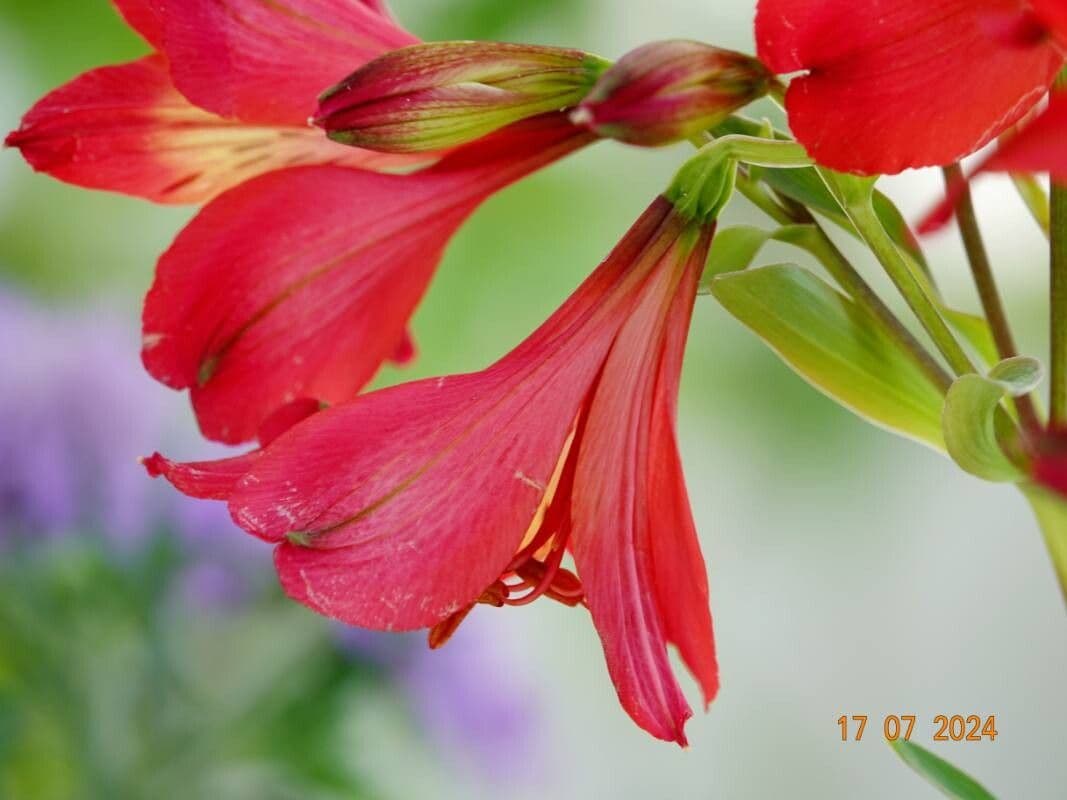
<point>1058,301</point>
<point>1035,197</point>
<point>860,211</point>
<point>984,280</point>
<point>1051,515</point>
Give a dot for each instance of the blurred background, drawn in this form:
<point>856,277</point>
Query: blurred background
<point>145,650</point>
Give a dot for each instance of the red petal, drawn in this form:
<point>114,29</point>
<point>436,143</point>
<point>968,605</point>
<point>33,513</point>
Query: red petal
<point>406,350</point>
<point>286,417</point>
<point>142,16</point>
<point>901,84</point>
<point>268,62</point>
<point>681,576</point>
<point>1040,147</point>
<point>622,545</point>
<point>300,283</point>
<point>126,129</point>
<point>411,501</point>
<point>207,480</point>
<point>1054,14</point>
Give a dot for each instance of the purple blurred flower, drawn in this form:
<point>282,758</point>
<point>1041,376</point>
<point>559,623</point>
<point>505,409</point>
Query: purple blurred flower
<point>471,697</point>
<point>76,412</point>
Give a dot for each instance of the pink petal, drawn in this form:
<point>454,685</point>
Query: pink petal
<point>900,84</point>
<point>620,524</point>
<point>267,62</point>
<point>207,480</point>
<point>301,282</point>
<point>142,16</point>
<point>126,129</point>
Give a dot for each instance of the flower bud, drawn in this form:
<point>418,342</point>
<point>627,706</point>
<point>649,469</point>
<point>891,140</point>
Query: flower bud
<point>440,95</point>
<point>666,92</point>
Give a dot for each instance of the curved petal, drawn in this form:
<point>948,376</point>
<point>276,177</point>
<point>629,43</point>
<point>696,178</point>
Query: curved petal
<point>1040,147</point>
<point>206,480</point>
<point>142,16</point>
<point>126,129</point>
<point>301,282</point>
<point>680,573</point>
<point>894,85</point>
<point>622,547</point>
<point>267,62</point>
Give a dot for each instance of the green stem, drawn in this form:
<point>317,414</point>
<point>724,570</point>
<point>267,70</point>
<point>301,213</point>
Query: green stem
<point>822,247</point>
<point>986,283</point>
<point>1058,302</point>
<point>1035,197</point>
<point>855,197</point>
<point>1051,513</point>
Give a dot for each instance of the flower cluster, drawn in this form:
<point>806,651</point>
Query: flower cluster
<point>555,471</point>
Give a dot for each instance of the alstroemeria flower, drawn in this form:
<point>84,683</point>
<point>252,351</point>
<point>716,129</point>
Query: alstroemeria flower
<point>301,283</point>
<point>300,276</point>
<point>894,84</point>
<point>225,98</point>
<point>406,507</point>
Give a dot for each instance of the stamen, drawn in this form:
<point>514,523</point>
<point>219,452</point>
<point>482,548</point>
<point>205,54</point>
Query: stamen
<point>551,568</point>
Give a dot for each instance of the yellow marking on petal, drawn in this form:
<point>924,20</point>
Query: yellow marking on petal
<point>549,492</point>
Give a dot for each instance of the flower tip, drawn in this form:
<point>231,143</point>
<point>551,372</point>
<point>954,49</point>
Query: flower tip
<point>155,465</point>
<point>15,138</point>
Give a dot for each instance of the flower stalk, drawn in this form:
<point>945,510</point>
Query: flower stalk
<point>988,292</point>
<point>854,195</point>
<point>1058,304</point>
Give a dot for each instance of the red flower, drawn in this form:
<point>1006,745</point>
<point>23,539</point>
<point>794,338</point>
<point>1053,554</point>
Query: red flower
<point>300,276</point>
<point>893,84</point>
<point>406,507</point>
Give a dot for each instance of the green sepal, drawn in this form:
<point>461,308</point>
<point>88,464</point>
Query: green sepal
<point>974,423</point>
<point>949,780</point>
<point>703,187</point>
<point>835,345</point>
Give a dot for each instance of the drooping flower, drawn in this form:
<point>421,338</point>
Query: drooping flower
<point>895,84</point>
<point>667,92</point>
<point>407,507</point>
<point>440,95</point>
<point>255,305</point>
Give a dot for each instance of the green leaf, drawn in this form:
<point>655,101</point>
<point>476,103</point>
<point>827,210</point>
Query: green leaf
<point>951,781</point>
<point>835,345</point>
<point>971,426</point>
<point>733,249</point>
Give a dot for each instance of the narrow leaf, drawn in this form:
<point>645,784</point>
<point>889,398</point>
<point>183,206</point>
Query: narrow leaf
<point>835,345</point>
<point>734,249</point>
<point>948,779</point>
